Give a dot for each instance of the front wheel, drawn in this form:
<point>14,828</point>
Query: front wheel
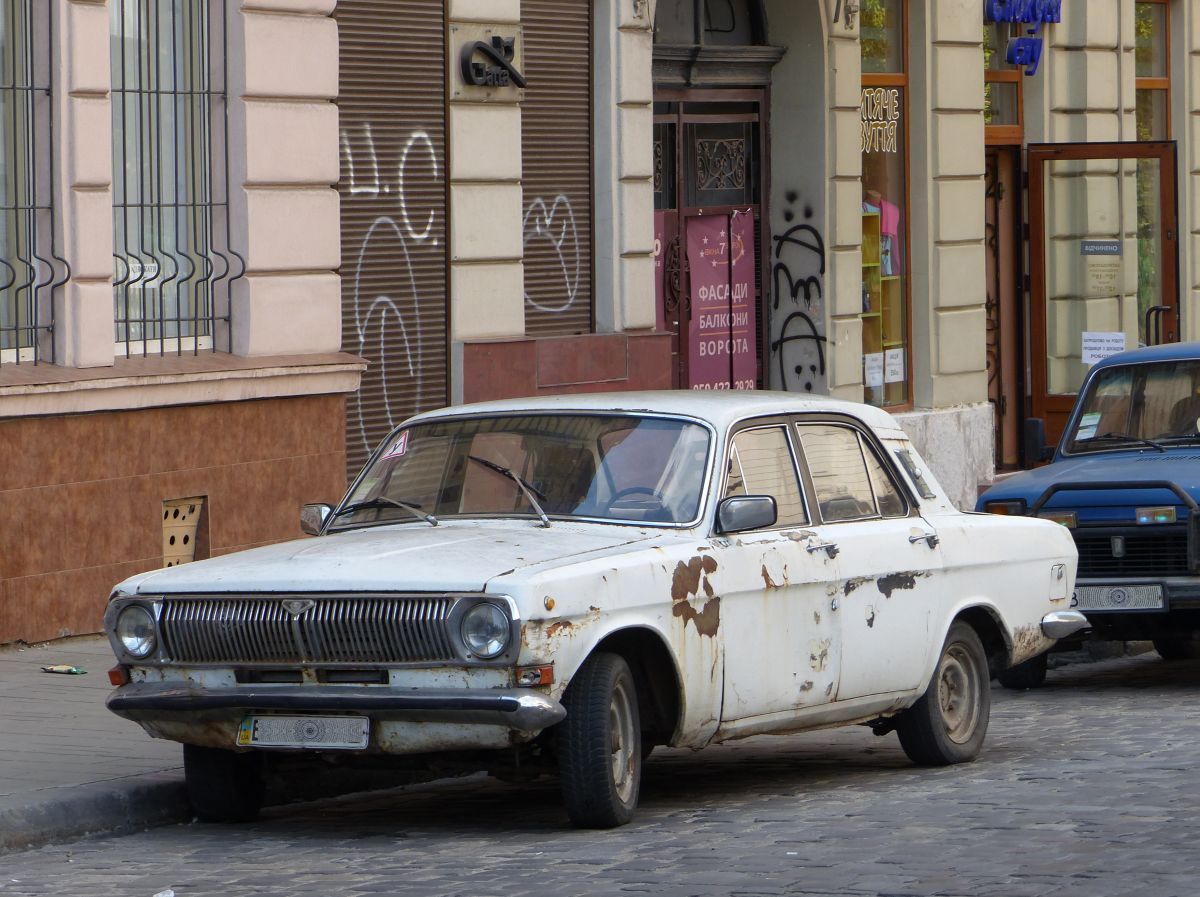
<point>949,721</point>
<point>223,786</point>
<point>1027,674</point>
<point>600,744</point>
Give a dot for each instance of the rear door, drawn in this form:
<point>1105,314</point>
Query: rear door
<point>889,565</point>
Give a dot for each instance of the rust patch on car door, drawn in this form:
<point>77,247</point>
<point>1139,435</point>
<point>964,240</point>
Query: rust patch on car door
<point>897,581</point>
<point>688,581</point>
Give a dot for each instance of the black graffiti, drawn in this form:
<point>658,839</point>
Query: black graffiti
<point>804,289</point>
<point>808,334</point>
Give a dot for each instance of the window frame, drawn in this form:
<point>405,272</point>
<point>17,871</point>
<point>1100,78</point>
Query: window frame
<point>181,203</point>
<point>900,80</point>
<point>1011,133</point>
<point>867,441</point>
<point>1155,84</point>
<point>764,423</point>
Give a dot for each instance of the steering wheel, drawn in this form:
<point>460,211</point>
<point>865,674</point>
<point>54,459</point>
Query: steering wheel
<point>636,490</point>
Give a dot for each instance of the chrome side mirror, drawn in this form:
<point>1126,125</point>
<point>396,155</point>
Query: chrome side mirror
<point>746,512</point>
<point>313,517</point>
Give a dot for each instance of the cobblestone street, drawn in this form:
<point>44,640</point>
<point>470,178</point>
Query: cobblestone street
<point>1086,787</point>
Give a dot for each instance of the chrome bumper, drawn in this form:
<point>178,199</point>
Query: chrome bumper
<point>516,708</point>
<point>1062,623</point>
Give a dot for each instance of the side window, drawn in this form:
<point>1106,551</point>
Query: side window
<point>850,481</point>
<point>761,463</point>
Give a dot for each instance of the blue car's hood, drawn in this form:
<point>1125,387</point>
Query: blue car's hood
<point>1180,466</point>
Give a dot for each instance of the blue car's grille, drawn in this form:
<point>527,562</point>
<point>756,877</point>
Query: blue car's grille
<point>1151,552</point>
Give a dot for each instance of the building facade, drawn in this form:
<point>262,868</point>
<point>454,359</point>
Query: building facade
<point>240,239</point>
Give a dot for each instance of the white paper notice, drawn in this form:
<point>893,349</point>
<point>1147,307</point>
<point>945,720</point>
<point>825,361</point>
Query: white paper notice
<point>1097,345</point>
<point>893,366</point>
<point>873,369</point>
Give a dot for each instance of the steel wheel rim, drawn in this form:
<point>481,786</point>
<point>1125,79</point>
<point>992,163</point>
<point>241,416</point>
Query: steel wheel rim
<point>622,743</point>
<point>958,693</point>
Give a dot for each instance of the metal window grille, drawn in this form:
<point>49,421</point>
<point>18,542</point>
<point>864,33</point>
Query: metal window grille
<point>173,261</point>
<point>30,267</point>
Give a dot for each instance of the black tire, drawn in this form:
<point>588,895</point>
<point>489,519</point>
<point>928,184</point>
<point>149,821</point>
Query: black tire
<point>600,744</point>
<point>948,723</point>
<point>1183,647</point>
<point>223,786</point>
<point>1028,674</point>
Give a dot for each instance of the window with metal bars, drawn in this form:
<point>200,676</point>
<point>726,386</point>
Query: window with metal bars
<point>30,269</point>
<point>173,262</point>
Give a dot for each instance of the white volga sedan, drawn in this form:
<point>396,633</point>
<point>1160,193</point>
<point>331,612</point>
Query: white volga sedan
<point>564,583</point>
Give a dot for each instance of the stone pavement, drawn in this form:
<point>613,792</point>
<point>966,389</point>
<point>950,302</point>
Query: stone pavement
<point>1086,788</point>
<point>67,765</point>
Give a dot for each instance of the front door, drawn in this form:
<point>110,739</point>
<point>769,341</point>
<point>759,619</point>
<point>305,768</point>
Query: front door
<point>781,649</point>
<point>709,152</point>
<point>1103,261</point>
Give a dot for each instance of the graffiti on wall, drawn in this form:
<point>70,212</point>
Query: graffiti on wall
<point>387,310</point>
<point>798,341</point>
<point>549,227</point>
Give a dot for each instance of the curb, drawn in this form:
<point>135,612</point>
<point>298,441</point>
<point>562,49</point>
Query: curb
<point>120,805</point>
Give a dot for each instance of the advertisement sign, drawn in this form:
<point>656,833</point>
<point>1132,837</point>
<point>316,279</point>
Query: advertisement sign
<point>722,332</point>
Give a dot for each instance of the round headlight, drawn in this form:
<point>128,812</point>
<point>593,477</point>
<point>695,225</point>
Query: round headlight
<point>485,631</point>
<point>136,632</point>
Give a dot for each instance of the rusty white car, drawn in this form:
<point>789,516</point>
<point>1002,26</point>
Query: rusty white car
<point>563,583</point>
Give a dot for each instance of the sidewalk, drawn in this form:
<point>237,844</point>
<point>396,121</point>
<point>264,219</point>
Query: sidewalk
<point>68,766</point>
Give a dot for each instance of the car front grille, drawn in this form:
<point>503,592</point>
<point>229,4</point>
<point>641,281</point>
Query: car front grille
<point>1149,552</point>
<point>299,629</point>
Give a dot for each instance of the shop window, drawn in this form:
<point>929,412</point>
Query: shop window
<point>1002,102</point>
<point>170,197</point>
<point>29,270</point>
<point>1152,31</point>
<point>885,284</point>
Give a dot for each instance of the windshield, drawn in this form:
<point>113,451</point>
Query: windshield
<point>611,467</point>
<point>1139,406</point>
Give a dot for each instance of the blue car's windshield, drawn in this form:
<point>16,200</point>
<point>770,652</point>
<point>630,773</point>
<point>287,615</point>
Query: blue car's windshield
<point>1139,406</point>
<point>606,466</point>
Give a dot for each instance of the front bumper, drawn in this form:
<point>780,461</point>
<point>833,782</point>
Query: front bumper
<point>519,709</point>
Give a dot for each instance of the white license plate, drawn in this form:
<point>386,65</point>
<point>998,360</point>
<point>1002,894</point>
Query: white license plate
<point>1139,597</point>
<point>346,733</point>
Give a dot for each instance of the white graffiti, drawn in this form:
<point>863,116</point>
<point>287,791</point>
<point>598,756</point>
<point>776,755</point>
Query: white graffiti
<point>380,312</point>
<point>554,224</point>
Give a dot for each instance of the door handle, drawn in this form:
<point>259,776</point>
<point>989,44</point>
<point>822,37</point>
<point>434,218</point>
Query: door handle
<point>929,539</point>
<point>829,548</point>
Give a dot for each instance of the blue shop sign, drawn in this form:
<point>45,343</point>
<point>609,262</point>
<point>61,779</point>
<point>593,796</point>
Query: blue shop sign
<point>1026,50</point>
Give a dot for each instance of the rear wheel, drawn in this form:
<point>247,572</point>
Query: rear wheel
<point>949,721</point>
<point>1028,674</point>
<point>223,786</point>
<point>1183,647</point>
<point>599,744</point>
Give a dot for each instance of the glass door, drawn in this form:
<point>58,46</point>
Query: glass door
<point>1103,261</point>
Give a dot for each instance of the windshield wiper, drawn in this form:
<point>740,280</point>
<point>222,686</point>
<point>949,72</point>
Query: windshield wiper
<point>1125,437</point>
<point>382,501</point>
<point>525,487</point>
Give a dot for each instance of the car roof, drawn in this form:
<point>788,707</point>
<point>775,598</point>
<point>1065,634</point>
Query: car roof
<point>721,408</point>
<point>1165,352</point>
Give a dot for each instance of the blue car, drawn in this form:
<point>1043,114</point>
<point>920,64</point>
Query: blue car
<point>1125,479</point>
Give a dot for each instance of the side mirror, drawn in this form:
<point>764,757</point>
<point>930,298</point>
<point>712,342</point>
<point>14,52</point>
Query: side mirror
<point>746,512</point>
<point>313,517</point>
<point>1036,449</point>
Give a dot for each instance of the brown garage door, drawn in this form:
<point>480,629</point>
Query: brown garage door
<point>556,134</point>
<point>393,192</point>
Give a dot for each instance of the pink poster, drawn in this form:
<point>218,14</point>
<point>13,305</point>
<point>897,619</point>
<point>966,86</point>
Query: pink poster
<point>660,271</point>
<point>722,333</point>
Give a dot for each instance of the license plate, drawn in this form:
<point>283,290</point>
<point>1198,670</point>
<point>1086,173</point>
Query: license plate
<point>1141,597</point>
<point>346,733</point>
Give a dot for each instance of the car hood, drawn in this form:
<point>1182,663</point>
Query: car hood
<point>1179,466</point>
<point>457,556</point>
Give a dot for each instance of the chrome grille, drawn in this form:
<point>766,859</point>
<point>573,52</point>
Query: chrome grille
<point>243,630</point>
